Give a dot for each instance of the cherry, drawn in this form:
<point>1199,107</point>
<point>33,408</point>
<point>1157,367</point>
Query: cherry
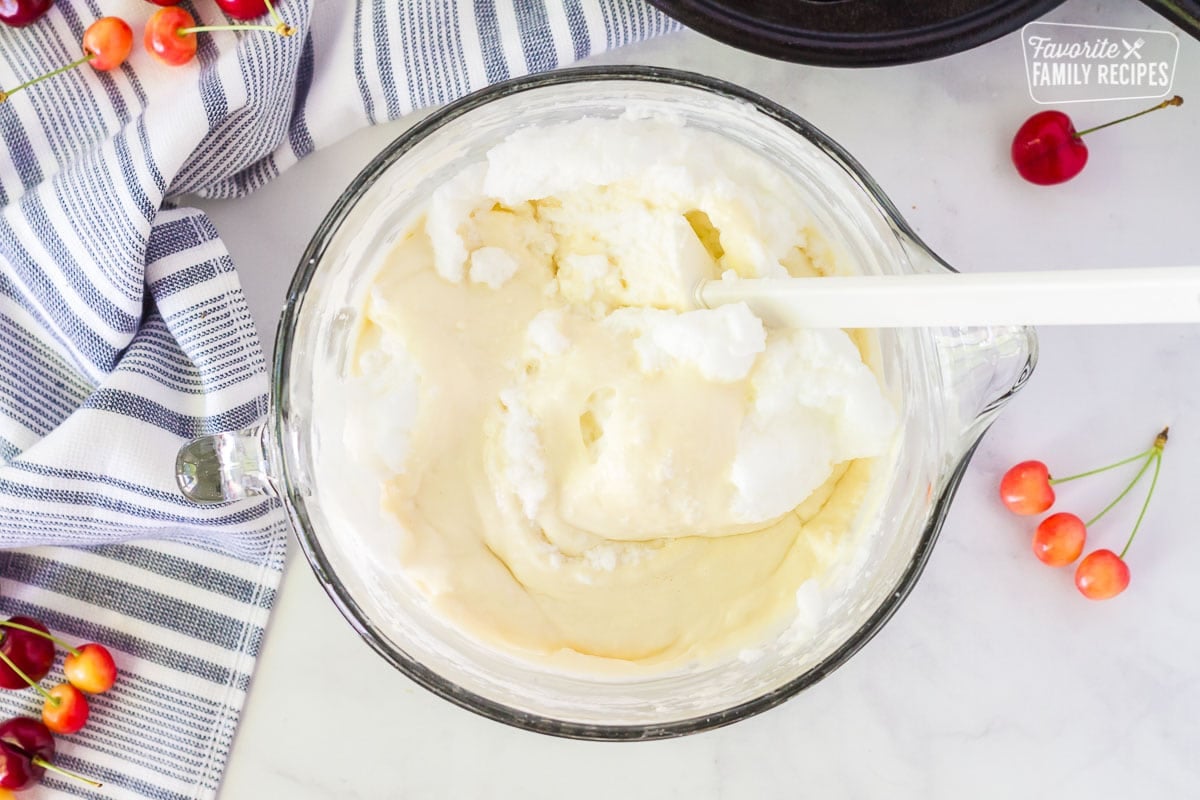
<point>107,42</point>
<point>26,748</point>
<point>1102,575</point>
<point>19,13</point>
<point>65,710</point>
<point>1026,488</point>
<point>243,9</point>
<point>1059,539</point>
<point>16,769</point>
<point>24,651</point>
<point>91,668</point>
<point>1047,149</point>
<point>26,752</point>
<point>163,37</point>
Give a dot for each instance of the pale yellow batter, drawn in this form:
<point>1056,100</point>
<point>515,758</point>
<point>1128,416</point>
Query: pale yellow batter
<point>585,472</point>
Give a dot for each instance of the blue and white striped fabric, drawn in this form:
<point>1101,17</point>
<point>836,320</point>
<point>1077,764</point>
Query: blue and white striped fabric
<point>123,331</point>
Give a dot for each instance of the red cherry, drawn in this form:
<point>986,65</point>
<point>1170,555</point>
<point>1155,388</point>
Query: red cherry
<point>32,654</point>
<point>1103,574</point>
<point>1059,539</point>
<point>1025,489</point>
<point>16,768</point>
<point>1047,150</point>
<point>163,39</point>
<point>19,13</point>
<point>243,9</point>
<point>109,41</point>
<point>26,745</point>
<point>66,710</point>
<point>93,670</point>
<point>26,752</point>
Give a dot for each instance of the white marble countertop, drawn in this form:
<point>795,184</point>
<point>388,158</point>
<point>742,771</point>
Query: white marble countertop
<point>995,679</point>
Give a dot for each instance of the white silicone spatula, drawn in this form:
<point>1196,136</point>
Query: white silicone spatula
<point>1071,297</point>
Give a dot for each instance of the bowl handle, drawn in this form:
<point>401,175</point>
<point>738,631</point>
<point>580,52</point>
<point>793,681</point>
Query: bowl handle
<point>224,467</point>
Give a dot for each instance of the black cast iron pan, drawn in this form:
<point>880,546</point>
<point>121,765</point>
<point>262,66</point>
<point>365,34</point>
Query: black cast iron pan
<point>869,33</point>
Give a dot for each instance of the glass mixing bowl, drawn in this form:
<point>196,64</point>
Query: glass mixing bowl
<point>948,385</point>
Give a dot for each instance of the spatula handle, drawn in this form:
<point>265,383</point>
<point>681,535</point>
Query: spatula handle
<point>1069,297</point>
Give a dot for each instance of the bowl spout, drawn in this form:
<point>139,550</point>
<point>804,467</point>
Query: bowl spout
<point>981,367</point>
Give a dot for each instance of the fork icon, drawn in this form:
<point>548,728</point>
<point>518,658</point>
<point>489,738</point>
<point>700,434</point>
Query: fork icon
<point>1132,49</point>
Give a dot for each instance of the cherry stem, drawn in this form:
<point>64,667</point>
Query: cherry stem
<point>18,626</point>
<point>1122,495</point>
<point>7,93</point>
<point>1098,470</point>
<point>282,29</point>
<point>41,762</point>
<point>1174,101</point>
<point>21,674</point>
<point>1155,452</point>
<point>1153,483</point>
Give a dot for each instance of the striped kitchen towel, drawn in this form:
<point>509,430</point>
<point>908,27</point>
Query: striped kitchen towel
<point>123,330</point>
